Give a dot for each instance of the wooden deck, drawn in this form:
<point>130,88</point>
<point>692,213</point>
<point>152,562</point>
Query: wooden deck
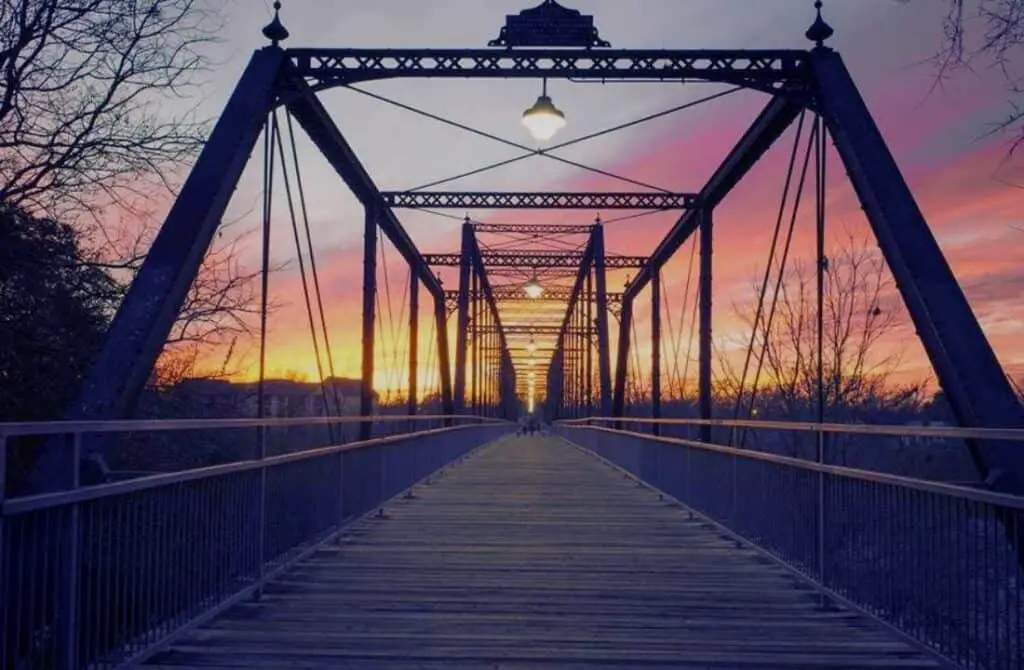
<point>533,554</point>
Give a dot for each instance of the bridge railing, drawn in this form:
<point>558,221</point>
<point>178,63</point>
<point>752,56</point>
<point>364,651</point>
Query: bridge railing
<point>939,563</point>
<point>100,576</point>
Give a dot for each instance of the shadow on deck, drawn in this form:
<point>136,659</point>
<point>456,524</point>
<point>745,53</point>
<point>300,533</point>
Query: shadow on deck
<point>531,553</point>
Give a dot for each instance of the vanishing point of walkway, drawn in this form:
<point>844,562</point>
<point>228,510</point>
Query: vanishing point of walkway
<point>534,554</point>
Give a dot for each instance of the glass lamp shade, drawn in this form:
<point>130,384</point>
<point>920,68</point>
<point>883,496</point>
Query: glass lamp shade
<point>532,288</point>
<point>543,120</point>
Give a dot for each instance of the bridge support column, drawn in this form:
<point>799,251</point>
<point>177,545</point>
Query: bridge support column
<point>604,363</point>
<point>369,319</point>
<point>462,332</point>
<point>978,390</point>
<point>622,361</point>
<point>589,364</point>
<point>443,356</point>
<point>704,374</point>
<point>414,338</point>
<point>656,350</point>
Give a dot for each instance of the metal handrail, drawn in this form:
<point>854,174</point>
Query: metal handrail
<point>165,551</point>
<point>1010,434</point>
<point>951,490</point>
<point>22,428</point>
<point>33,503</point>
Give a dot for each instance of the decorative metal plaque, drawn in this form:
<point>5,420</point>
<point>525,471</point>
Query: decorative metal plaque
<point>549,24</point>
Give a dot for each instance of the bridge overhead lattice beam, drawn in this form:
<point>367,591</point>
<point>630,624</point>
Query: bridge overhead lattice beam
<point>513,329</point>
<point>534,259</point>
<point>532,229</point>
<point>534,200</point>
<point>764,69</point>
<point>515,294</point>
<point>768,127</point>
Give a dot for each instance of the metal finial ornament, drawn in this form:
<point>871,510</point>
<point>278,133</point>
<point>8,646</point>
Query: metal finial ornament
<point>275,30</point>
<point>819,30</point>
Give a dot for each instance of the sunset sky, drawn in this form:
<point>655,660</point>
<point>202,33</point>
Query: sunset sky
<point>970,193</point>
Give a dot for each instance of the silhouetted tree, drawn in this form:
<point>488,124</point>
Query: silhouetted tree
<point>83,114</point>
<point>86,128</point>
<point>54,310</point>
<point>861,308</point>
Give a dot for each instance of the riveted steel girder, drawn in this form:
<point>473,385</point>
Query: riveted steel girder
<point>762,69</point>
<point>535,259</point>
<point>528,200</point>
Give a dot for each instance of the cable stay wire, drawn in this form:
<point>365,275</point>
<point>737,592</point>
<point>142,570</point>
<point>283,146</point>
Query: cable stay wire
<point>316,276</point>
<point>302,268</point>
<point>269,134</point>
<point>535,152</point>
<point>693,327</point>
<point>431,376</point>
<point>778,289</point>
<point>677,344</point>
<point>770,265</point>
<point>667,347</point>
<point>639,373</point>
<point>402,343</point>
<point>387,331</point>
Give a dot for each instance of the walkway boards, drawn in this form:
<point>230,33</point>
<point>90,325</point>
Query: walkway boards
<point>533,554</point>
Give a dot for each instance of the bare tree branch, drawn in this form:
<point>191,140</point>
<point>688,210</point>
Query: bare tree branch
<point>983,34</point>
<point>81,124</point>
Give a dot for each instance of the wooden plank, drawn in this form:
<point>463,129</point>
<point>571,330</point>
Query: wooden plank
<point>532,554</point>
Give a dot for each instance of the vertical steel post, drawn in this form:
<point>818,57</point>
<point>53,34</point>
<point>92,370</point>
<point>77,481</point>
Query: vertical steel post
<point>414,339</point>
<point>4,583</point>
<point>570,365</point>
<point>622,362</point>
<point>590,343</point>
<point>604,363</point>
<point>71,560</point>
<point>477,332</point>
<point>462,331</point>
<point>704,383</point>
<point>656,350</point>
<point>369,320</point>
<point>820,149</point>
<point>444,356</point>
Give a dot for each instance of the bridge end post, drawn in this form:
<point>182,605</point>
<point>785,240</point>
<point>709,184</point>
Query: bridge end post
<point>979,392</point>
<point>604,366</point>
<point>461,333</point>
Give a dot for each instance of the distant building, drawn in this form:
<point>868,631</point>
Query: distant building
<point>283,398</point>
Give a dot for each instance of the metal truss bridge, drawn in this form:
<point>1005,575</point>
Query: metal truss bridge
<point>539,483</point>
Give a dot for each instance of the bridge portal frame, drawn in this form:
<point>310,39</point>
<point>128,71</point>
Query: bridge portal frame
<point>968,371</point>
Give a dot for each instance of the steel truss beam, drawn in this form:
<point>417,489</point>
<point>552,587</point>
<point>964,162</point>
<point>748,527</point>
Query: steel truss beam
<point>557,372</point>
<point>535,259</point>
<point>145,317</point>
<point>530,329</point>
<point>766,70</point>
<point>515,294</point>
<point>526,200</point>
<point>532,229</point>
<point>318,124</point>
<point>506,383</point>
<point>768,127</point>
<point>321,129</point>
<point>978,391</point>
